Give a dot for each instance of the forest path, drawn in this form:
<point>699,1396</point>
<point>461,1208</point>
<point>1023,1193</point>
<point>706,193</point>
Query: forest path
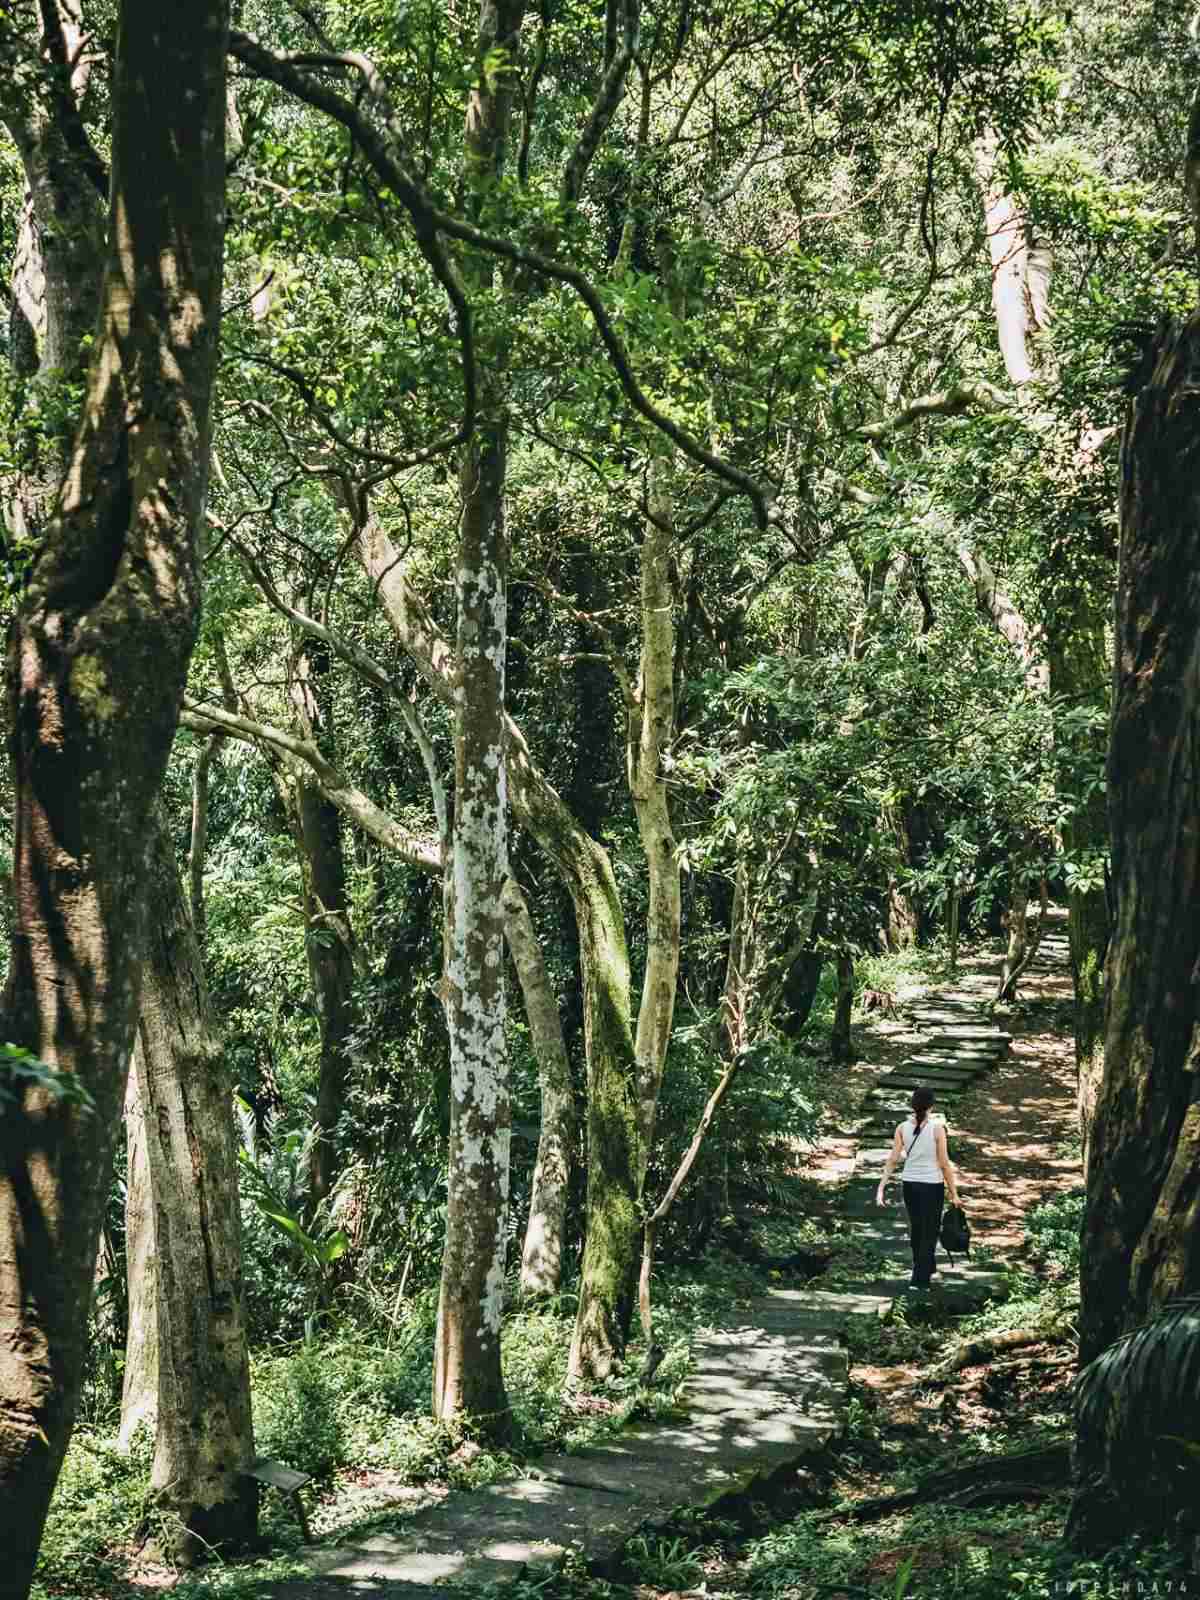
<point>770,1386</point>
<point>1007,1098</point>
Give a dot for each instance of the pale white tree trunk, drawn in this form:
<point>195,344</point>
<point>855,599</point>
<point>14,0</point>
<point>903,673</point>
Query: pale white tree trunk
<point>542,1256</point>
<point>139,1392</point>
<point>466,1373</point>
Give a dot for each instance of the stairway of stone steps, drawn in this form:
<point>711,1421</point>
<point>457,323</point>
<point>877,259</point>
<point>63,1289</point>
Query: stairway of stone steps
<point>961,1043</point>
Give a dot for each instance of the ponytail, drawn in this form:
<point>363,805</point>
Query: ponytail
<point>922,1099</point>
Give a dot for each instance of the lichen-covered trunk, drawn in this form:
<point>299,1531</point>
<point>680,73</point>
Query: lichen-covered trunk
<point>1141,1231</point>
<point>204,1437</point>
<point>139,1389</point>
<point>542,1255</point>
<point>466,1368</point>
<point>614,1224</point>
<point>467,1374</point>
<point>97,661</point>
<point>1079,671</point>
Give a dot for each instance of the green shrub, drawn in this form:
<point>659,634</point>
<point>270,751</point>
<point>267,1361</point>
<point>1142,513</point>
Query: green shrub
<point>100,1502</point>
<point>298,1414</point>
<point>1052,1231</point>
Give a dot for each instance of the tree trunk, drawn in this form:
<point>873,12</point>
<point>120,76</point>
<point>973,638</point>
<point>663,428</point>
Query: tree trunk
<point>735,996</point>
<point>1141,1231</point>
<point>1078,677</point>
<point>204,1437</point>
<point>328,933</point>
<point>651,731</point>
<point>841,1046</point>
<point>139,1392</point>
<point>613,1221</point>
<point>1018,929</point>
<point>97,662</point>
<point>542,1256</point>
<point>331,970</point>
<point>466,1374</point>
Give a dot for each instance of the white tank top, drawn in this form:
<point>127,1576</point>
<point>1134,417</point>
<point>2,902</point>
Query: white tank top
<point>921,1166</point>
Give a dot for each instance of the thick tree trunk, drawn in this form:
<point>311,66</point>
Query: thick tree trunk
<point>205,1438</point>
<point>139,1392</point>
<point>542,1256</point>
<point>1141,1231</point>
<point>97,663</point>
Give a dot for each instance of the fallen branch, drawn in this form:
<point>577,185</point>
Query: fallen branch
<point>988,1345</point>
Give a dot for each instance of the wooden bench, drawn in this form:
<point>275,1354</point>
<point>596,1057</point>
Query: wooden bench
<point>287,1480</point>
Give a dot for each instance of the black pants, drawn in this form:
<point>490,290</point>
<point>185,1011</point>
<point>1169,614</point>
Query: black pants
<point>923,1202</point>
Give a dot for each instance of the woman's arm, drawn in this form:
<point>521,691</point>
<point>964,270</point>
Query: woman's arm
<point>889,1166</point>
<point>943,1161</point>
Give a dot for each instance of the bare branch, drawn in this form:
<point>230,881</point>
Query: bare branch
<point>608,97</point>
<point>302,756</point>
<point>947,403</point>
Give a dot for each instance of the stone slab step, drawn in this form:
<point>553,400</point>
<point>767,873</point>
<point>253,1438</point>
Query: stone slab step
<point>969,1034</point>
<point>910,1077</point>
<point>933,1017</point>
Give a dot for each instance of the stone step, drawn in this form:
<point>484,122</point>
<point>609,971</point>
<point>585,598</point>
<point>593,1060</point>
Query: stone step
<point>996,1049</point>
<point>910,1077</point>
<point>928,1016</point>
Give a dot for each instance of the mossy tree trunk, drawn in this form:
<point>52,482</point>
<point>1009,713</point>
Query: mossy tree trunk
<point>545,1232</point>
<point>1141,1231</point>
<point>98,656</point>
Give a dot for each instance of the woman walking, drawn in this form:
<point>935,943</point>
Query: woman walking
<point>928,1176</point>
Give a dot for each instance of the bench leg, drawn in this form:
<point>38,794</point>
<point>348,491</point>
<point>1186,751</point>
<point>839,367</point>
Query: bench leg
<point>303,1520</point>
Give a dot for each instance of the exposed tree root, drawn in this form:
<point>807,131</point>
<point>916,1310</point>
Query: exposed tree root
<point>1025,1474</point>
